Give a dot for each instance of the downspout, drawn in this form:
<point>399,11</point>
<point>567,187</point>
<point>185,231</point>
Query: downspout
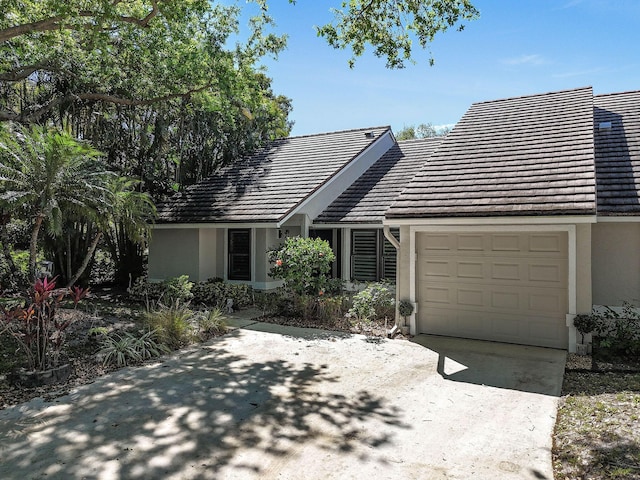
<point>393,241</point>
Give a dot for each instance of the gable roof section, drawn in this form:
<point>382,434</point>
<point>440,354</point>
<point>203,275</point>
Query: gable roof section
<point>618,153</point>
<point>269,185</point>
<point>530,155</point>
<point>369,197</point>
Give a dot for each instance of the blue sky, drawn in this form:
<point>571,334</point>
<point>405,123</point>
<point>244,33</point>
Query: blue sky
<point>516,47</point>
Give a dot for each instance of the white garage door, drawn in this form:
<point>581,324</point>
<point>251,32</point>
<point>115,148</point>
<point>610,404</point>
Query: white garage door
<point>507,287</point>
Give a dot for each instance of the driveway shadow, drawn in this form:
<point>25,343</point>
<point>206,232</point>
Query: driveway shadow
<point>189,417</point>
<point>501,365</point>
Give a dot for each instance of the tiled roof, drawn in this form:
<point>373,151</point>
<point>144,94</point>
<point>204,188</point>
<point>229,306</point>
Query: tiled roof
<point>528,155</point>
<point>369,197</point>
<point>270,184</point>
<point>618,153</point>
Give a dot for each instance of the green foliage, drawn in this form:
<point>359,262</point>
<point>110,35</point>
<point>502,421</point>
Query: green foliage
<point>39,333</point>
<point>177,289</point>
<point>405,308</point>
<point>174,325</point>
<point>122,349</point>
<point>392,27</point>
<point>211,322</point>
<point>619,332</point>
<point>215,293</point>
<point>50,176</point>
<point>424,130</point>
<point>304,264</point>
<point>585,324</point>
<point>376,300</point>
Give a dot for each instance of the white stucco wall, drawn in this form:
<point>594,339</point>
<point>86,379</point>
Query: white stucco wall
<point>174,252</point>
<point>615,263</point>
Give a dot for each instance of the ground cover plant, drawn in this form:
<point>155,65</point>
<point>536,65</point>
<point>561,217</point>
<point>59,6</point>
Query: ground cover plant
<point>597,433</point>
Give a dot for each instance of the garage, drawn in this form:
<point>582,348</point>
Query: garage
<point>502,286</point>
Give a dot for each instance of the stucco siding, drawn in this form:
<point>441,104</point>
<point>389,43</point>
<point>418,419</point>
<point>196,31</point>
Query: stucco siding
<point>208,260</point>
<point>615,263</point>
<point>174,252</point>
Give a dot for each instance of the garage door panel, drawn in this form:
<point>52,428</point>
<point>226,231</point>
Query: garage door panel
<point>505,286</point>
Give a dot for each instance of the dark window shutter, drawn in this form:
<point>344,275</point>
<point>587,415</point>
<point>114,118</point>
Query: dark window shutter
<point>364,255</point>
<point>239,254</point>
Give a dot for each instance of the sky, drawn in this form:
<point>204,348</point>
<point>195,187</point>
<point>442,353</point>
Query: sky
<point>516,47</point>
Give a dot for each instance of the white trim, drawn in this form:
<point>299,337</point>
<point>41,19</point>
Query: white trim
<point>354,164</point>
<point>413,258</point>
<point>320,226</point>
<point>613,219</point>
<point>491,221</point>
<point>167,226</point>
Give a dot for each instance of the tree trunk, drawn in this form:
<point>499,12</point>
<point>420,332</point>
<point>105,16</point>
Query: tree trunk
<point>33,246</point>
<point>87,259</point>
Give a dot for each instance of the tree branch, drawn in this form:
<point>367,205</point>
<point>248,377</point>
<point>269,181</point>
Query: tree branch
<point>57,22</point>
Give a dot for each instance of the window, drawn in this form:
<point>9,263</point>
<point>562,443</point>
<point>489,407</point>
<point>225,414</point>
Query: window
<point>239,254</point>
<point>373,257</point>
<point>334,237</point>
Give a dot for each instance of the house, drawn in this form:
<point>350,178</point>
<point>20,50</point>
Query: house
<point>523,216</point>
<point>223,227</point>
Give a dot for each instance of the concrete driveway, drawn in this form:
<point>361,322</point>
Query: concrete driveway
<point>268,402</point>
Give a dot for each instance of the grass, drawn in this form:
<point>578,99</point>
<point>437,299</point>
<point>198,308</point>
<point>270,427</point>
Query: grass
<point>597,433</point>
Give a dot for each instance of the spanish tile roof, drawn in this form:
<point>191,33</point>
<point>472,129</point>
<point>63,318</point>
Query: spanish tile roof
<point>369,197</point>
<point>528,155</point>
<point>267,186</point>
<point>618,153</point>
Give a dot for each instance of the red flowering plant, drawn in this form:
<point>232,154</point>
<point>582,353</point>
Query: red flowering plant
<point>38,332</point>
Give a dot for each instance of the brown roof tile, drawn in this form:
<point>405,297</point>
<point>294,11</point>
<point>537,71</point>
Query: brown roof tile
<point>369,197</point>
<point>266,186</point>
<point>618,153</point>
<point>528,155</point>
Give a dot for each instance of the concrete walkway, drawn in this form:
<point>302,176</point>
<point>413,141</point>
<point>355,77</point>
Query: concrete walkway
<point>271,402</point>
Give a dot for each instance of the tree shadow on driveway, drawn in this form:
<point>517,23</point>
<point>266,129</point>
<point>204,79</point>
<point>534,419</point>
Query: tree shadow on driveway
<point>189,417</point>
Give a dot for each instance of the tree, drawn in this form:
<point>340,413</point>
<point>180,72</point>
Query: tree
<point>424,130</point>
<point>44,172</point>
<point>391,26</point>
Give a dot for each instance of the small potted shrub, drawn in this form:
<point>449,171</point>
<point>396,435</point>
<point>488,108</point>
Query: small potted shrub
<point>405,308</point>
<point>585,324</point>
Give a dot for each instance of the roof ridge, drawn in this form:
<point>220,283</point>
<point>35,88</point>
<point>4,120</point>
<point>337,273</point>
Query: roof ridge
<point>533,95</point>
<point>627,92</point>
<point>383,127</point>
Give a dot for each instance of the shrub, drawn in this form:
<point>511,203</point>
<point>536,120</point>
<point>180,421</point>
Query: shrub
<point>304,265</point>
<point>169,291</point>
<point>174,325</point>
<point>37,330</point>
<point>122,349</point>
<point>585,324</point>
<point>375,301</point>
<point>619,332</point>
<point>215,293</point>
<point>211,322</point>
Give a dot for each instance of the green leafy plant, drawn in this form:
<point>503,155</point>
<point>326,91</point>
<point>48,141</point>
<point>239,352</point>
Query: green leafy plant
<point>376,300</point>
<point>37,330</point>
<point>119,350</point>
<point>214,292</point>
<point>174,325</point>
<point>304,264</point>
<point>619,332</point>
<point>585,324</point>
<point>122,349</point>
<point>211,322</point>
